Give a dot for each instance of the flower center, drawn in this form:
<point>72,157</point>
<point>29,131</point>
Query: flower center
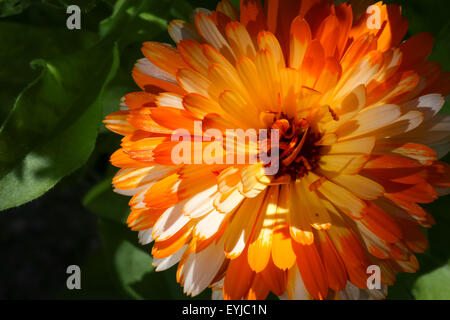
<point>299,152</point>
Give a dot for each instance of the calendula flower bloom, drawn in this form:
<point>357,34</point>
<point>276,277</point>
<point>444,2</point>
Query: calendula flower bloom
<point>360,136</point>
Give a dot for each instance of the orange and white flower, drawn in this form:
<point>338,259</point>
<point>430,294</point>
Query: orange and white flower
<point>360,138</point>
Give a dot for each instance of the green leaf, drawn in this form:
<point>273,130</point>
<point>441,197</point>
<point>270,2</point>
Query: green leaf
<point>434,285</point>
<point>85,5</point>
<point>236,3</point>
<point>13,7</point>
<point>52,129</point>
<point>102,201</point>
<point>136,21</point>
<point>94,284</point>
<point>441,54</point>
<point>21,44</point>
<point>441,47</point>
<point>131,264</point>
<point>431,16</point>
<point>181,9</point>
<point>434,257</point>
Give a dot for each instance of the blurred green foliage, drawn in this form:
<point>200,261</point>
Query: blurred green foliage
<point>58,84</point>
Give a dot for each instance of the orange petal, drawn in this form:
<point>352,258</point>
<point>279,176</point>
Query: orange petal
<point>141,119</point>
<point>117,122</point>
<point>252,16</point>
<point>313,63</point>
<point>274,278</point>
<point>311,269</point>
<point>416,49</point>
<point>122,160</point>
<point>163,56</point>
<point>282,253</point>
<point>332,262</point>
<point>173,118</point>
<point>326,34</point>
<point>163,193</point>
<point>381,223</point>
<point>344,15</point>
<point>154,85</point>
<point>240,41</point>
<point>300,39</point>
<point>238,278</point>
<point>259,289</point>
<point>140,99</point>
<point>207,28</point>
<point>163,249</point>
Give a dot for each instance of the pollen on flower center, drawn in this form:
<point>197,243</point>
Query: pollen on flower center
<point>299,152</point>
